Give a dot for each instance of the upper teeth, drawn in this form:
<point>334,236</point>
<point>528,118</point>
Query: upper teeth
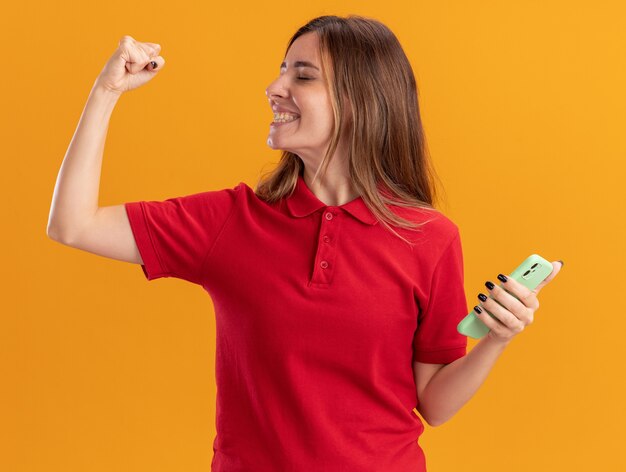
<point>285,116</point>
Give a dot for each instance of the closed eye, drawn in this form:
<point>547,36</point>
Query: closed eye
<point>304,78</point>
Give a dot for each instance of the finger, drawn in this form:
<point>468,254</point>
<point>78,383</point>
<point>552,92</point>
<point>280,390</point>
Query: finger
<point>155,48</point>
<point>155,64</point>
<point>138,58</point>
<point>556,268</point>
<point>138,55</point>
<point>151,49</point>
<point>126,39</point>
<point>507,300</point>
<point>493,324</point>
<point>519,291</point>
<point>503,315</point>
<point>147,51</point>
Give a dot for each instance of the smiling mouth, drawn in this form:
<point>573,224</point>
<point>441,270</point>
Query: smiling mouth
<point>285,117</point>
<point>283,122</point>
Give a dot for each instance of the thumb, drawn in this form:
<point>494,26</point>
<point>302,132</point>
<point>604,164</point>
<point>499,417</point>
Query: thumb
<point>137,62</point>
<point>556,268</point>
<point>139,56</point>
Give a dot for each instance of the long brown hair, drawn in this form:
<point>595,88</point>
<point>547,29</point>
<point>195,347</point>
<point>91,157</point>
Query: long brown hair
<point>367,70</point>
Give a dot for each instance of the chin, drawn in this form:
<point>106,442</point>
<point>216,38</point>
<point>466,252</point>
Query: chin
<point>275,145</point>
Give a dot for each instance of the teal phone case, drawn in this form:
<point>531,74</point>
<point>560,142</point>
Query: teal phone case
<point>529,273</point>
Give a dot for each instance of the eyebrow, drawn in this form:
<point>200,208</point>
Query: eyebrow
<point>300,64</point>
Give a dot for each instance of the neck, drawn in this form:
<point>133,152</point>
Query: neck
<point>334,189</point>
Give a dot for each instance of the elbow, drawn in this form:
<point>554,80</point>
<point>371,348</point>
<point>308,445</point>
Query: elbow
<point>434,423</point>
<point>51,233</point>
<point>54,234</point>
<point>430,421</point>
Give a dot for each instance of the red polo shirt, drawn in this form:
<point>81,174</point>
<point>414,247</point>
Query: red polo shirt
<point>320,313</point>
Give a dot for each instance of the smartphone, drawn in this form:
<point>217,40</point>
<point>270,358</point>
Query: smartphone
<point>529,273</point>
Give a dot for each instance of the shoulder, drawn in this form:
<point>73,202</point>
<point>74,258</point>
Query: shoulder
<point>436,230</point>
<point>198,198</point>
<point>200,205</point>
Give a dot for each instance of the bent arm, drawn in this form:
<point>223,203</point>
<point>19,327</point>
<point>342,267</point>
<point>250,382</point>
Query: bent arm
<point>454,384</point>
<point>75,197</point>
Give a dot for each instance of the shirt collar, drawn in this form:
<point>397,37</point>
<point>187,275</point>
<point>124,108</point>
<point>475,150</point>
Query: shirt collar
<point>303,202</point>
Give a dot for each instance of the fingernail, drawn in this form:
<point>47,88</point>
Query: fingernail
<point>562,263</point>
<point>154,64</point>
<point>483,298</point>
<point>489,285</point>
<point>478,309</point>
<point>502,278</point>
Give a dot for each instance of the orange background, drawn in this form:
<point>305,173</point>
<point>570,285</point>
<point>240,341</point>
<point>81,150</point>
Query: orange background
<point>524,106</point>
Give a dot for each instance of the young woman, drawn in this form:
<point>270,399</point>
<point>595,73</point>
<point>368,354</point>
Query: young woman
<point>337,286</point>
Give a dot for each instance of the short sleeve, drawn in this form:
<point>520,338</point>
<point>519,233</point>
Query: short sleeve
<point>437,340</point>
<point>174,236</point>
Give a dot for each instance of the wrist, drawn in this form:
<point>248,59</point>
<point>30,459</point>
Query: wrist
<point>105,92</point>
<point>495,342</point>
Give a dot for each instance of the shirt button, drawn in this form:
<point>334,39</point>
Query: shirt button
<point>329,216</point>
<point>323,264</point>
<point>326,239</point>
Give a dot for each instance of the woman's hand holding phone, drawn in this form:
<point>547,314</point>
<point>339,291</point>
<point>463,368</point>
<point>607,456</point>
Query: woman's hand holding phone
<point>512,304</point>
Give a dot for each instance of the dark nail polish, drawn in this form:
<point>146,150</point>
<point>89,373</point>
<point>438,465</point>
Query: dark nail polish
<point>154,64</point>
<point>489,285</point>
<point>502,278</point>
<point>483,298</point>
<point>478,309</point>
<point>562,263</point>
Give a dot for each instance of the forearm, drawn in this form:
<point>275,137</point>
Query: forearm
<point>75,197</point>
<point>455,383</point>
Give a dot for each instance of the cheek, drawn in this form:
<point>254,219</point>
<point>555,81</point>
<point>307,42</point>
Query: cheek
<point>318,119</point>
<point>317,114</point>
<point>320,107</point>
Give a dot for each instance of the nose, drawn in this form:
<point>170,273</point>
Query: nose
<point>275,89</point>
